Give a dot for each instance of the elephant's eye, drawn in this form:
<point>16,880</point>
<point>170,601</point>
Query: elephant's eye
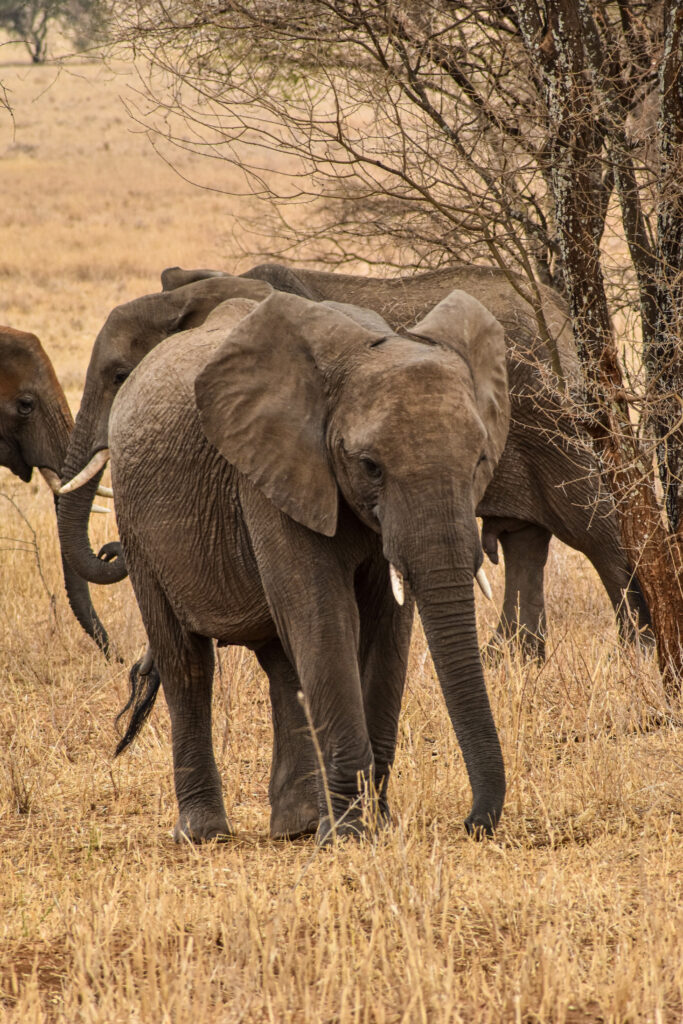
<point>371,469</point>
<point>482,458</point>
<point>119,376</point>
<point>25,405</point>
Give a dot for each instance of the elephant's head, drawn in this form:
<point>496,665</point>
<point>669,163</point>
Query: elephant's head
<point>35,425</point>
<point>130,332</point>
<point>35,420</point>
<point>311,403</point>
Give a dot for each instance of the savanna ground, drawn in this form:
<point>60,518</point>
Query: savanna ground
<point>574,913</point>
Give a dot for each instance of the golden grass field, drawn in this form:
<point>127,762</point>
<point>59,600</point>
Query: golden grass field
<point>573,914</point>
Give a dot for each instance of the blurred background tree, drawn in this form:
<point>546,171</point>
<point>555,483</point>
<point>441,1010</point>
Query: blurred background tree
<point>33,21</point>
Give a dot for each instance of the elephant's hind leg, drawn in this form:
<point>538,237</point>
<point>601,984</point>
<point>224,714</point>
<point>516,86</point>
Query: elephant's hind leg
<point>186,670</point>
<point>525,550</point>
<point>185,662</point>
<point>293,789</point>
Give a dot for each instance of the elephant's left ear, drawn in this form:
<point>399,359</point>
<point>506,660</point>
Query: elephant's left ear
<point>263,402</point>
<point>462,324</point>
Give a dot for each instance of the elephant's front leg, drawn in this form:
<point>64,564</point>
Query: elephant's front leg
<point>293,789</point>
<point>308,582</point>
<point>384,644</point>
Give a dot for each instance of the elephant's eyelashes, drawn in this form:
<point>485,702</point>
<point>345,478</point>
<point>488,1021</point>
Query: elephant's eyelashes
<point>371,469</point>
<point>120,376</point>
<point>25,405</point>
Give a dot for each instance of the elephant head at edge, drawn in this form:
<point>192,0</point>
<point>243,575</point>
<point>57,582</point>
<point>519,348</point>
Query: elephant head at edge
<point>308,404</point>
<point>129,333</point>
<point>35,425</point>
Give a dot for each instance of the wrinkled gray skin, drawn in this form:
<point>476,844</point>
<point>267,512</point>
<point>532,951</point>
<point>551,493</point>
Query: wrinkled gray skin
<point>544,485</point>
<point>264,478</point>
<point>35,424</point>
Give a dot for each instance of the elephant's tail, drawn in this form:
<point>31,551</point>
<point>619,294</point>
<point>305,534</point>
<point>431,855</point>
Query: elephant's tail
<point>143,692</point>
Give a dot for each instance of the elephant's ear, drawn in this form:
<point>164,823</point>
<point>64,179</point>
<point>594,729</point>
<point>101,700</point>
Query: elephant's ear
<point>189,305</point>
<point>462,324</point>
<point>262,401</point>
<point>176,277</point>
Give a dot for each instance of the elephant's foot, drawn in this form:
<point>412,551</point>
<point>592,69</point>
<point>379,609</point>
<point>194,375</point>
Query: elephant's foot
<point>294,811</point>
<point>293,822</point>
<point>202,826</point>
<point>361,820</point>
<point>530,645</point>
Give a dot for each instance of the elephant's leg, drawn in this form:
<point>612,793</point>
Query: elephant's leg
<point>525,550</point>
<point>185,662</point>
<point>307,579</point>
<point>293,788</point>
<point>384,643</point>
<point>186,670</point>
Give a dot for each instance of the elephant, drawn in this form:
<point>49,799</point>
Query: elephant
<point>547,482</point>
<point>293,476</point>
<point>129,333</point>
<point>35,425</point>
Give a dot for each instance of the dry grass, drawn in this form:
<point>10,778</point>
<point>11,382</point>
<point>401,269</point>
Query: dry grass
<point>574,913</point>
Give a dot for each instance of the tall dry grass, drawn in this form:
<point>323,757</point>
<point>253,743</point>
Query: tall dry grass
<point>573,914</point>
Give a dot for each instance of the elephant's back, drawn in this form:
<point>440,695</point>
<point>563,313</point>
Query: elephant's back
<point>402,301</point>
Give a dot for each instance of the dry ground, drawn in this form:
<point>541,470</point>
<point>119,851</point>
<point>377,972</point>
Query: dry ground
<point>574,913</point>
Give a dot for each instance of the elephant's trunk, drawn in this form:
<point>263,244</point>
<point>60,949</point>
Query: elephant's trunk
<point>78,593</point>
<point>442,583</point>
<point>73,518</point>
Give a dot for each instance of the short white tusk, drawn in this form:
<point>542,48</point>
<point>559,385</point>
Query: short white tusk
<point>105,492</point>
<point>396,584</point>
<point>98,462</point>
<point>100,508</point>
<point>52,479</point>
<point>484,583</point>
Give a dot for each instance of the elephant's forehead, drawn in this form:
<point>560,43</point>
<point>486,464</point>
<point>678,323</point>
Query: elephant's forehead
<point>421,379</point>
<point>19,358</point>
<point>428,401</point>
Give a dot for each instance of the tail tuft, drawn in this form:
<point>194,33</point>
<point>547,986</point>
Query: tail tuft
<point>143,692</point>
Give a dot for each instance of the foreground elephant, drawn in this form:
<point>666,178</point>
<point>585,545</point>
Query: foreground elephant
<point>265,479</point>
<point>35,424</point>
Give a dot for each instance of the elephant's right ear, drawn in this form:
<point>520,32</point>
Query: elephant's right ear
<point>189,305</point>
<point>176,277</point>
<point>263,404</point>
<point>462,324</point>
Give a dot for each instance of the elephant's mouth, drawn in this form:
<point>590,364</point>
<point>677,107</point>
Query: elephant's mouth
<point>16,464</point>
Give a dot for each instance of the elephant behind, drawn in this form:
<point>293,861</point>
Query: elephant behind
<point>276,484</point>
<point>35,426</point>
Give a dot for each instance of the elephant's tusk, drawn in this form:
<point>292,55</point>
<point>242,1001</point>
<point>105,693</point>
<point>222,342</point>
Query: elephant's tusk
<point>396,584</point>
<point>98,462</point>
<point>52,479</point>
<point>100,508</point>
<point>147,662</point>
<point>484,583</point>
<point>105,492</point>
